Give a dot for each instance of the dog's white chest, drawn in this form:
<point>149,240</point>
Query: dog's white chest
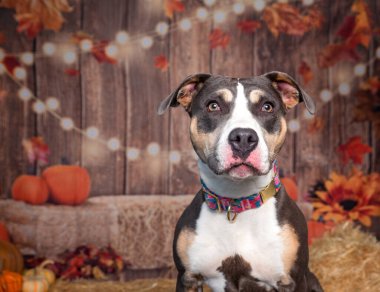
<point>255,235</point>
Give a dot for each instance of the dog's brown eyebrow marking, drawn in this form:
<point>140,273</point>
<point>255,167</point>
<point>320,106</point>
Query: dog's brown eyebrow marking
<point>226,94</point>
<point>255,95</point>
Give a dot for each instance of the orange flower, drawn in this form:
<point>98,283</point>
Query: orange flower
<point>355,197</point>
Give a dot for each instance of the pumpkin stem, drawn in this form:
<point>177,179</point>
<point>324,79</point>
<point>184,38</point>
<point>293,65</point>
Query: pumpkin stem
<point>45,263</point>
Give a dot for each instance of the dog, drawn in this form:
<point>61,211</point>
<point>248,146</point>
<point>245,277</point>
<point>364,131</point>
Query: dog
<point>241,232</point>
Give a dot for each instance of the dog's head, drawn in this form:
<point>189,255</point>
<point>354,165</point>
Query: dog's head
<point>238,124</point>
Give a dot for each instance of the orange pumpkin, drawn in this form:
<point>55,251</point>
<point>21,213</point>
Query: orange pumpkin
<point>4,235</point>
<point>30,189</point>
<point>290,187</point>
<point>68,184</point>
<point>317,229</point>
<point>11,257</point>
<point>10,281</point>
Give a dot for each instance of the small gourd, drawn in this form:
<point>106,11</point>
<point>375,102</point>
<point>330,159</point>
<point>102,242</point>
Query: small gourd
<point>40,270</point>
<point>9,281</point>
<point>35,284</point>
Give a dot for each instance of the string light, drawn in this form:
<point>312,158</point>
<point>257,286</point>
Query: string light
<point>111,51</point>
<point>67,124</point>
<point>360,69</point>
<point>153,149</point>
<point>24,93</point>
<point>238,8</point>
<point>146,42</point>
<point>2,68</point>
<point>39,107</point>
<point>20,73</point>
<point>259,5</point>
<point>86,45</point>
<point>326,95</point>
<point>69,57</point>
<point>52,103</point>
<point>27,58</point>
<point>202,13</point>
<point>209,2</point>
<point>2,54</point>
<point>113,144</point>
<point>49,48</point>
<point>307,2</point>
<point>219,16</point>
<point>162,28</point>
<point>133,153</point>
<point>294,126</point>
<point>122,37</point>
<point>377,53</point>
<point>92,132</point>
<point>185,24</point>
<point>344,88</point>
<point>174,157</point>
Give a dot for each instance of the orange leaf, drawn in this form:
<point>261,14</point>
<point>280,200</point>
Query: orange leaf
<point>161,62</point>
<point>2,38</point>
<point>372,84</point>
<point>315,125</point>
<point>219,38</point>
<point>305,71</point>
<point>354,149</point>
<point>248,25</point>
<point>286,18</point>
<point>333,53</point>
<point>172,6</point>
<point>362,31</point>
<point>291,187</point>
<point>365,220</point>
<point>29,23</point>
<point>72,72</point>
<point>98,51</point>
<point>77,37</point>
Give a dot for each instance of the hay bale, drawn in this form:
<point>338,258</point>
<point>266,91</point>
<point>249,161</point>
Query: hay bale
<point>346,259</point>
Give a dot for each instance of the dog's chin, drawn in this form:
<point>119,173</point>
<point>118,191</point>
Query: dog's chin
<point>241,171</point>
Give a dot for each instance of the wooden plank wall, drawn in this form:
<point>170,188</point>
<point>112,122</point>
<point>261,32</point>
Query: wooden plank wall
<point>121,100</point>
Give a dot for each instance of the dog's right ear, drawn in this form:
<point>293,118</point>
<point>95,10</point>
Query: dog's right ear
<point>184,93</point>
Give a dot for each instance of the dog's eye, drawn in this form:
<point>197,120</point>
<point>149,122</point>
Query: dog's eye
<point>267,107</point>
<point>213,107</point>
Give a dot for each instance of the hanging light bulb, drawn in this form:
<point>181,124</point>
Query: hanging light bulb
<point>238,8</point>
<point>39,107</point>
<point>219,16</point>
<point>113,144</point>
<point>146,42</point>
<point>20,73</point>
<point>111,51</point>
<point>344,88</point>
<point>69,57</point>
<point>92,132</point>
<point>174,157</point>
<point>25,94</point>
<point>67,124</point>
<point>259,5</point>
<point>122,37</point>
<point>153,149</point>
<point>52,103</point>
<point>185,24</point>
<point>86,45</point>
<point>209,2</point>
<point>49,48</point>
<point>360,69</point>
<point>162,28</point>
<point>27,58</point>
<point>294,126</point>
<point>326,95</point>
<point>307,2</point>
<point>133,153</point>
<point>202,13</point>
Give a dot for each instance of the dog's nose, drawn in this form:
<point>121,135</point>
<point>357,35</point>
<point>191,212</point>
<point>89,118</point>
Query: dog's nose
<point>243,141</point>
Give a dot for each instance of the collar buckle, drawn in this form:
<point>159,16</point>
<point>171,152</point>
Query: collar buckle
<point>230,213</point>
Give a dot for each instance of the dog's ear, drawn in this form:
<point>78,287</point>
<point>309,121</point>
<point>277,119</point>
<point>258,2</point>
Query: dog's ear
<point>184,93</point>
<point>290,92</point>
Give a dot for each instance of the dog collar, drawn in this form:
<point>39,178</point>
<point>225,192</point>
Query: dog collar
<point>235,206</point>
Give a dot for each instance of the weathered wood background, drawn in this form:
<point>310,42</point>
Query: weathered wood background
<point>121,100</point>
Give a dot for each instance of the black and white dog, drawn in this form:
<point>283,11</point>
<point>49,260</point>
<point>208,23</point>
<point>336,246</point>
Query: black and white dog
<point>241,232</point>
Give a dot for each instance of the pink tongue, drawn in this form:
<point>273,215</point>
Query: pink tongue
<point>241,171</point>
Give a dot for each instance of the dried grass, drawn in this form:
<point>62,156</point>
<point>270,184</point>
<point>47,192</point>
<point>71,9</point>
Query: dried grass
<point>346,259</point>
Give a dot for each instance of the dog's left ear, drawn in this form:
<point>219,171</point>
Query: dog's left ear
<point>184,93</point>
<point>290,92</point>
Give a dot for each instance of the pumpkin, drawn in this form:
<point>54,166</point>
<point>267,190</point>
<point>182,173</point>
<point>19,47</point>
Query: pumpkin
<point>290,187</point>
<point>317,229</point>
<point>9,281</point>
<point>4,235</point>
<point>68,184</point>
<point>10,257</point>
<point>35,284</point>
<point>40,270</point>
<point>30,189</point>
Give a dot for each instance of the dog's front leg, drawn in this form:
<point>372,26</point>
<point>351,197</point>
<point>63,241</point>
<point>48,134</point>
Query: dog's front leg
<point>189,282</point>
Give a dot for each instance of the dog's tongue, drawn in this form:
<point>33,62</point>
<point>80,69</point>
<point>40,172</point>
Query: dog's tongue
<point>241,171</point>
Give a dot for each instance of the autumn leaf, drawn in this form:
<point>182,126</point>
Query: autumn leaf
<point>347,27</point>
<point>36,150</point>
<point>79,36</point>
<point>286,18</point>
<point>10,63</point>
<point>334,53</point>
<point>72,72</point>
<point>219,38</point>
<point>362,31</point>
<point>353,150</point>
<point>372,84</point>
<point>2,38</point>
<point>172,6</point>
<point>98,51</point>
<point>161,62</point>
<point>248,25</point>
<point>305,71</point>
<point>32,16</point>
<point>315,125</point>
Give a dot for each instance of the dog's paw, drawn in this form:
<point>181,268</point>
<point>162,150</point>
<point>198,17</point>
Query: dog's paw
<point>192,282</point>
<point>286,284</point>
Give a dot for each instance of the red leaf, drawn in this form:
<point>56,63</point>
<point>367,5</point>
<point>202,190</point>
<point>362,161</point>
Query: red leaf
<point>372,84</point>
<point>219,38</point>
<point>333,53</point>
<point>11,63</point>
<point>305,71</point>
<point>2,38</point>
<point>315,125</point>
<point>36,150</point>
<point>248,25</point>
<point>347,27</point>
<point>29,23</point>
<point>100,54</point>
<point>353,150</point>
<point>161,62</point>
<point>72,72</point>
<point>172,6</point>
